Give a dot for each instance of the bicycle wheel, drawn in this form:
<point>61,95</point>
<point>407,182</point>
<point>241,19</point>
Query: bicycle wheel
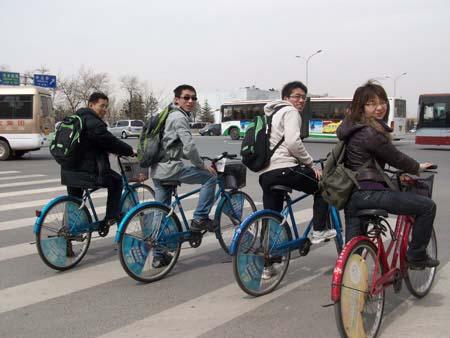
<point>419,281</point>
<point>58,242</point>
<point>143,192</point>
<point>149,245</point>
<point>359,312</point>
<point>259,264</point>
<point>232,210</point>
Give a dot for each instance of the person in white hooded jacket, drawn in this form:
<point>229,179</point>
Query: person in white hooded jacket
<point>291,165</point>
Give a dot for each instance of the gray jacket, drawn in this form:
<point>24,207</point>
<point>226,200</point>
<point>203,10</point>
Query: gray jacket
<point>177,144</point>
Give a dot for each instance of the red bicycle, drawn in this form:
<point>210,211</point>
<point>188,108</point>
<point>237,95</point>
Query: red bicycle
<point>363,270</point>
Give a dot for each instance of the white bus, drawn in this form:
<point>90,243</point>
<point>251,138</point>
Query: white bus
<point>433,120</point>
<point>321,116</point>
<point>26,118</point>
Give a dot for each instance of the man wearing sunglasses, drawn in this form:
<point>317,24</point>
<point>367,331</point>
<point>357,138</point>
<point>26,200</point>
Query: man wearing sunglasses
<point>178,144</point>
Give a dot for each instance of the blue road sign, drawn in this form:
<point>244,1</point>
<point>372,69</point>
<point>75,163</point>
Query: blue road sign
<point>8,78</point>
<point>47,81</point>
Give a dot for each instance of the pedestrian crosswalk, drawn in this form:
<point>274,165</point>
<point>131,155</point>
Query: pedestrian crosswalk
<point>97,299</point>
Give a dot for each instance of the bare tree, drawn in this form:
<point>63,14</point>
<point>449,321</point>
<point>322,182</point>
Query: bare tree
<point>90,82</point>
<point>68,97</point>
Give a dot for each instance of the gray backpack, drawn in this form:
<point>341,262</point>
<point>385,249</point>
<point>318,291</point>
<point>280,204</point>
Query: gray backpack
<point>337,181</point>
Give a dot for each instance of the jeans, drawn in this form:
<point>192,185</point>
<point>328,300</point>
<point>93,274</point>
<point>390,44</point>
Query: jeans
<point>299,178</point>
<point>398,203</point>
<point>191,175</point>
<point>113,182</point>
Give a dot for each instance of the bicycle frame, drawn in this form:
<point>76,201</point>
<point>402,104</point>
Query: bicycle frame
<point>286,213</point>
<point>397,248</point>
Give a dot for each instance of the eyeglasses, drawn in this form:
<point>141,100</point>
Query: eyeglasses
<point>298,97</point>
<point>187,98</point>
<point>376,104</point>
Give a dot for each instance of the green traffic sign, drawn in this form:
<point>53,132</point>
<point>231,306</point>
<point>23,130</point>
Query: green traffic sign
<point>8,78</point>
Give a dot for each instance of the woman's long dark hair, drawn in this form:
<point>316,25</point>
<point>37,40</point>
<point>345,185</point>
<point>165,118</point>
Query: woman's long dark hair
<point>367,92</point>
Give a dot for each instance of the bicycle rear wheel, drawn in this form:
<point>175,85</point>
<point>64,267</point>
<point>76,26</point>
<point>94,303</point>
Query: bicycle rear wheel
<point>359,312</point>
<point>149,246</point>
<point>58,243</point>
<point>259,266</point>
<point>420,281</point>
<point>233,209</point>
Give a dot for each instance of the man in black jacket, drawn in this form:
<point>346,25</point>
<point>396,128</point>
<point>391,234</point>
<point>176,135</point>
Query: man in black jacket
<point>92,167</point>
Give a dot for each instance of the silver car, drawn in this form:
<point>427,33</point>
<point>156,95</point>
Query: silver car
<point>126,128</point>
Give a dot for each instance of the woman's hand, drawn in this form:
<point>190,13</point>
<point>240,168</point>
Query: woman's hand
<point>425,165</point>
<point>318,173</point>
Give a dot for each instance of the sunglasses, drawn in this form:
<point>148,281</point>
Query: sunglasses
<point>187,98</point>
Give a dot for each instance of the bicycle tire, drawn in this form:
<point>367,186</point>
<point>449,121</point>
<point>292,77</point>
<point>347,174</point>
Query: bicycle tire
<point>141,243</point>
<point>255,254</point>
<point>229,217</point>
<point>420,282</point>
<point>143,192</point>
<point>351,310</point>
<point>57,248</point>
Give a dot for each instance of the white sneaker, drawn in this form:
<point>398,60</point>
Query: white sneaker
<point>268,272</point>
<point>320,236</point>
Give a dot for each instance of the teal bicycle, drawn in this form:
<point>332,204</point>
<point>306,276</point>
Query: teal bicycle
<point>151,234</point>
<point>64,227</point>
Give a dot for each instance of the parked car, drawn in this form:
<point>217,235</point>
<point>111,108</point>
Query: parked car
<point>211,130</point>
<point>126,128</point>
<point>198,125</point>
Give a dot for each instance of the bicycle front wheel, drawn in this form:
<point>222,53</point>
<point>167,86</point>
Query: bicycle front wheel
<point>59,243</point>
<point>233,208</point>
<point>359,311</point>
<point>149,245</point>
<point>261,261</point>
<point>420,281</point>
<point>142,192</point>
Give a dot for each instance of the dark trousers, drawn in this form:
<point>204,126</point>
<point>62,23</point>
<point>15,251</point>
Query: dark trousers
<point>113,182</point>
<point>299,178</point>
<point>397,203</point>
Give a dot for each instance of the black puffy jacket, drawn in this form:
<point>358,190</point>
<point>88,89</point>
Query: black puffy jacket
<point>93,159</point>
<point>365,142</point>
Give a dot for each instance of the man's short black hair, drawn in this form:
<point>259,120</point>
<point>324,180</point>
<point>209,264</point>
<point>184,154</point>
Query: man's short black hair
<point>177,91</point>
<point>289,88</point>
<point>97,96</point>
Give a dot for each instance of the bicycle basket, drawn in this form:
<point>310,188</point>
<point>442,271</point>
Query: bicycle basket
<point>422,186</point>
<point>234,174</point>
<point>133,171</point>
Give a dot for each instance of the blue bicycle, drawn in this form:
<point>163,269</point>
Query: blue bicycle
<point>261,247</point>
<point>150,235</point>
<point>64,227</point>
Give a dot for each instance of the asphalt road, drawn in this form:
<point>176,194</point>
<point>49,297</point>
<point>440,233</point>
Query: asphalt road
<point>199,297</point>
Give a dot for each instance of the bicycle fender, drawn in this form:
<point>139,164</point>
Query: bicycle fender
<point>249,219</point>
<point>44,210</point>
<point>338,270</point>
<point>129,214</point>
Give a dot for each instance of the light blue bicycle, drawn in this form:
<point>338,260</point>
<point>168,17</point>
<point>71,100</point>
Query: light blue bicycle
<point>64,227</point>
<point>151,234</point>
<point>261,247</point>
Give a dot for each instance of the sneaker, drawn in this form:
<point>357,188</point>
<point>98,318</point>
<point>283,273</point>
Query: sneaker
<point>201,224</point>
<point>320,236</point>
<point>268,272</point>
<point>161,260</point>
<point>426,262</point>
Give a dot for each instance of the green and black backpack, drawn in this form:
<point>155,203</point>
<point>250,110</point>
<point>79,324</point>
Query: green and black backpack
<point>65,146</point>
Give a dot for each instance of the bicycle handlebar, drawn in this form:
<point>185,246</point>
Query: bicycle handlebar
<point>430,169</point>
<point>220,157</point>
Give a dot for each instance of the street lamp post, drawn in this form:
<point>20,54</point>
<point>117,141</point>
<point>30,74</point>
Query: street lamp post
<point>307,61</point>
<point>395,82</point>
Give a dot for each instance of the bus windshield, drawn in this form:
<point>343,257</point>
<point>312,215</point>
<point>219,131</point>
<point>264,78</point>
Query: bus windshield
<point>434,111</point>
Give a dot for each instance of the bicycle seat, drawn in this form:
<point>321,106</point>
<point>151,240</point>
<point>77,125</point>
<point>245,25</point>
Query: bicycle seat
<point>170,183</point>
<point>372,212</point>
<point>281,188</point>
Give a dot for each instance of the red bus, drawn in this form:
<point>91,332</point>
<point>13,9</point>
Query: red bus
<point>433,119</point>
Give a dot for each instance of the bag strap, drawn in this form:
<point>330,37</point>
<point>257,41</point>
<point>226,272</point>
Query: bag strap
<point>385,177</point>
<point>269,128</point>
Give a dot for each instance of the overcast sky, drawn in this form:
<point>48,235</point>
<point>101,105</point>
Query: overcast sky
<point>221,46</point>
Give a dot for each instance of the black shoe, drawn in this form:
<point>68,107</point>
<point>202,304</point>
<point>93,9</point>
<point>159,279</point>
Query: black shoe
<point>426,262</point>
<point>201,224</point>
<point>103,227</point>
<point>161,260</point>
